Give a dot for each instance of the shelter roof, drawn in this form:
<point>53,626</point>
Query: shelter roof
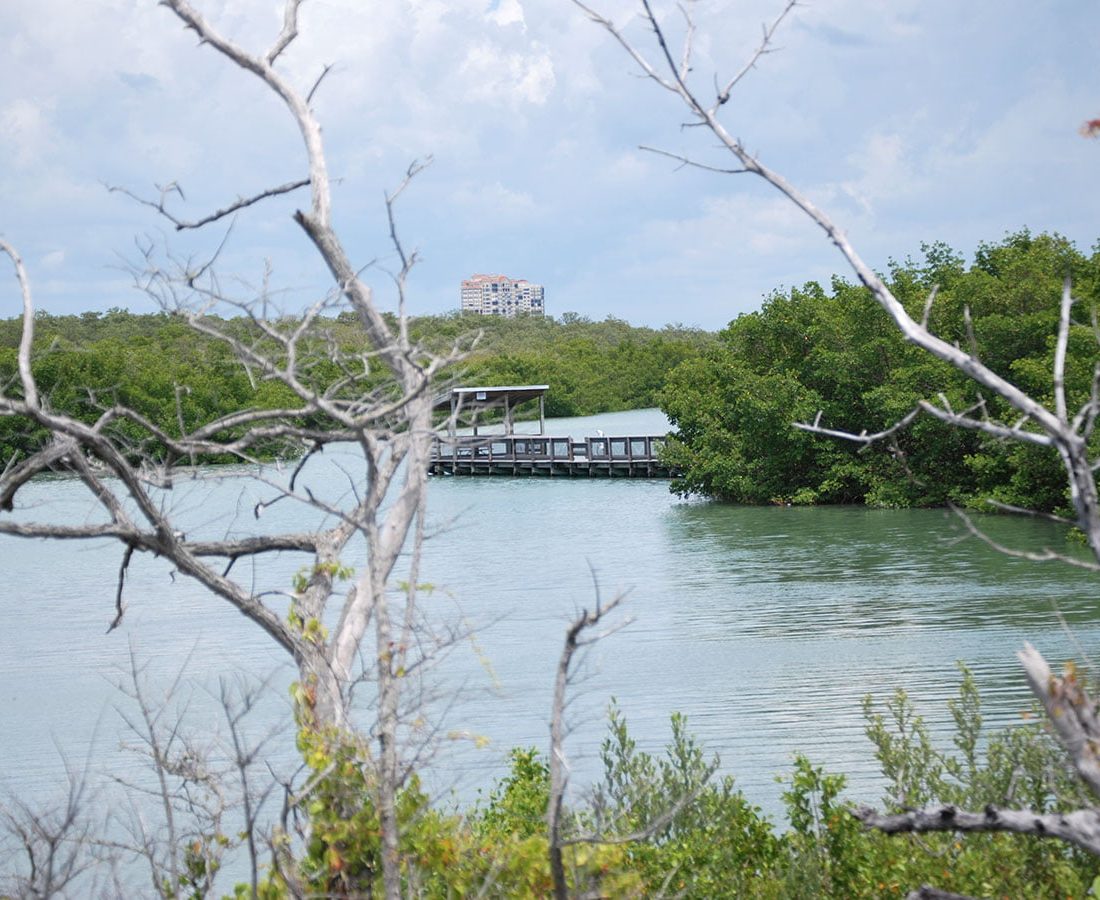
<point>492,395</point>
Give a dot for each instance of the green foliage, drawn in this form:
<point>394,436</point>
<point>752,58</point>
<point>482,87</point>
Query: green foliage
<point>200,866</point>
<point>704,838</point>
<point>836,351</point>
<point>343,855</point>
<point>667,825</point>
<point>500,850</point>
<point>517,807</point>
<point>1020,766</point>
<point>171,374</point>
<point>828,852</point>
<point>832,856</point>
<point>154,364</point>
<point>591,367</point>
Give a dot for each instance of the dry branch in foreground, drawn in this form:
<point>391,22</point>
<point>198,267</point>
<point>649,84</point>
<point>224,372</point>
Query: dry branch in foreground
<point>1070,710</point>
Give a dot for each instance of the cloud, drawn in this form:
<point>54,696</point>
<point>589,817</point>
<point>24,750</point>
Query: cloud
<point>507,12</point>
<point>139,81</point>
<point>724,226</point>
<point>492,73</point>
<point>52,260</point>
<point>839,37</point>
<point>884,172</point>
<point>25,129</point>
<point>628,168</point>
<point>908,121</point>
<point>489,206</point>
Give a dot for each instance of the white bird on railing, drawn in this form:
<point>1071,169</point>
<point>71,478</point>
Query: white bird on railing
<point>599,433</point>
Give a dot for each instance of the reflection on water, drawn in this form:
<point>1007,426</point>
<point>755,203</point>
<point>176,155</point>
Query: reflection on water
<point>820,606</point>
<point>765,626</point>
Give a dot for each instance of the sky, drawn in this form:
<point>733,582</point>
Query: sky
<point>908,121</point>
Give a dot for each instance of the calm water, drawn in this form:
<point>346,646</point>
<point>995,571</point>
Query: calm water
<point>765,626</point>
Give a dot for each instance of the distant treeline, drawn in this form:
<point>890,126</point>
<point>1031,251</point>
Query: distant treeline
<point>161,367</point>
<point>591,367</point>
<point>733,396</point>
<point>835,351</point>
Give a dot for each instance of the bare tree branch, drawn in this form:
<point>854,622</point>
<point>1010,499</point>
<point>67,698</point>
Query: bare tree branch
<point>1046,555</point>
<point>1051,429</point>
<point>1071,712</point>
<point>559,777</point>
<point>765,47</point>
<point>237,205</point>
<point>1024,511</point>
<point>966,420</point>
<point>1081,828</point>
<point>929,300</point>
<point>1060,353</point>
<point>379,404</point>
<point>926,892</point>
<point>863,437</point>
<point>15,476</point>
<point>26,341</point>
<point>687,161</point>
<point>55,839</point>
<point>1068,707</point>
<point>316,84</point>
<point>289,32</point>
<point>119,608</point>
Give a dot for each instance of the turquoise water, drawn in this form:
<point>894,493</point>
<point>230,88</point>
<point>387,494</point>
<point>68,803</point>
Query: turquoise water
<point>765,626</point>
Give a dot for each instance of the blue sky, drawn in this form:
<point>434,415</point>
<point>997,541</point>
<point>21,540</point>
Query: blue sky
<point>909,121</point>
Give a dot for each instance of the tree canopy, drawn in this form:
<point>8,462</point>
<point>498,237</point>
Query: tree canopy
<point>177,377</point>
<point>834,351</point>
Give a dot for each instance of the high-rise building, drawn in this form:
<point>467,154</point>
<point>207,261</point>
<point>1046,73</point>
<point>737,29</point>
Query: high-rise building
<point>499,295</point>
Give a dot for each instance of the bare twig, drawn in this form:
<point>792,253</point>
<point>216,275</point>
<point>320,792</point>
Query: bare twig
<point>863,437</point>
<point>929,300</point>
<point>55,840</point>
<point>1024,511</point>
<point>316,84</point>
<point>695,164</point>
<point>559,777</point>
<point>765,47</point>
<point>927,892</point>
<point>1072,713</point>
<point>237,205</point>
<point>1045,555</point>
<point>119,608</point>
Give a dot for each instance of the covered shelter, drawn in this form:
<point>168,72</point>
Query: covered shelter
<point>506,397</point>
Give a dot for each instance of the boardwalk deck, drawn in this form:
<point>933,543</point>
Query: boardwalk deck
<point>634,456</point>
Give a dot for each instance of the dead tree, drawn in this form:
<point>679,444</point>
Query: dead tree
<point>191,800</point>
<point>53,842</point>
<point>575,640</point>
<point>380,405</point>
<point>1067,432</point>
<point>611,830</point>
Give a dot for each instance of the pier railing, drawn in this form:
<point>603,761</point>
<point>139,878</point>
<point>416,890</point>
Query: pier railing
<point>517,454</point>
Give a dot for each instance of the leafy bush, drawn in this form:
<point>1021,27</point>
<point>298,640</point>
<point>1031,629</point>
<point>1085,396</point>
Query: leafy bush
<point>835,351</point>
<point>667,825</point>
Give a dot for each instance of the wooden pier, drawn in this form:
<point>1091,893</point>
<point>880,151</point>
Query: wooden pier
<point>508,453</point>
<point>635,456</point>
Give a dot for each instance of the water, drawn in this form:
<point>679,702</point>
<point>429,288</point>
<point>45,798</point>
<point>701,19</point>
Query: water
<point>765,626</point>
